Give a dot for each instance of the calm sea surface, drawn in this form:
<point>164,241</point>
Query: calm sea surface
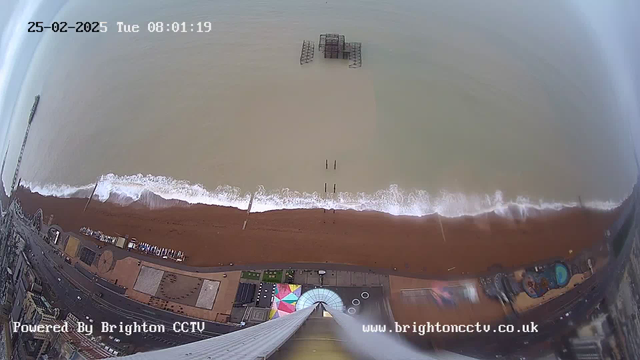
<point>455,100</point>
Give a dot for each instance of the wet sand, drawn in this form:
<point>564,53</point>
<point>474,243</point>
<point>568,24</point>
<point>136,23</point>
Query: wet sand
<point>213,235</point>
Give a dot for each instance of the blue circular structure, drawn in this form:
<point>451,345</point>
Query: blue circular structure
<point>562,274</point>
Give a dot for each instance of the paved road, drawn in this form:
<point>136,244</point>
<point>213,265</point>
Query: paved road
<point>74,293</point>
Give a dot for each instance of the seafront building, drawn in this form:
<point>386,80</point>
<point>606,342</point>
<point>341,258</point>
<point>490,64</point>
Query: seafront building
<point>37,311</point>
<point>27,303</point>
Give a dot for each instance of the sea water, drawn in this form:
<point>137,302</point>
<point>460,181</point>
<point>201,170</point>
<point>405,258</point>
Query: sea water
<point>460,107</point>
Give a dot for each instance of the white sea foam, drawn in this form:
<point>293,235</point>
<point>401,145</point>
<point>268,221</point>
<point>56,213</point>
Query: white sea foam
<point>395,201</point>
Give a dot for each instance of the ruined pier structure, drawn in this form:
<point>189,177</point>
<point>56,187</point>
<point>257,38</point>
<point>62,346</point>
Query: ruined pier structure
<point>333,46</point>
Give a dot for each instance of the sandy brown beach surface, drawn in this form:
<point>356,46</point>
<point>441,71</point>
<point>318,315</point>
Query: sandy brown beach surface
<point>211,235</point>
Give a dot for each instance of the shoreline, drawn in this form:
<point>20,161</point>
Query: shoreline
<point>160,191</point>
<point>212,235</point>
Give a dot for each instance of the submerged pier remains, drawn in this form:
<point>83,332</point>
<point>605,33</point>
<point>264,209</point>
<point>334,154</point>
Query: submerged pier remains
<point>308,50</point>
<point>333,46</point>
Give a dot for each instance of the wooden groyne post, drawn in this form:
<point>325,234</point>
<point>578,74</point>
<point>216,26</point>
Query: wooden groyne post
<point>335,164</point>
<point>326,166</point>
<point>92,193</point>
<point>441,227</point>
<point>244,226</point>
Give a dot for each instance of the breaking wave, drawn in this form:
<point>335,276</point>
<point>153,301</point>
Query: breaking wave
<point>395,201</point>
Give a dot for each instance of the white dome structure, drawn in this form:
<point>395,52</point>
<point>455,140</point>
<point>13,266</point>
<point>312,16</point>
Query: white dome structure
<point>320,295</point>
